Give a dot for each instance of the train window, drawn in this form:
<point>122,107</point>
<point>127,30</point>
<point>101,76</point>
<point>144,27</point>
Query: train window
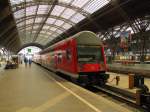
<point>59,58</point>
<point>52,59</point>
<point>90,54</point>
<point>68,54</point>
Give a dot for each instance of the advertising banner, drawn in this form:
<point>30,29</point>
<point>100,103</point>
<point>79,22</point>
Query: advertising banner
<point>125,39</point>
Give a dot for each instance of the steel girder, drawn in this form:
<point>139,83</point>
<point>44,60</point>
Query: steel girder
<point>9,37</point>
<point>54,2</point>
<point>31,24</point>
<point>18,7</point>
<point>5,13</point>
<point>6,29</point>
<point>109,16</point>
<point>29,4</point>
<point>46,34</point>
<point>43,15</point>
<point>30,44</point>
<point>7,24</point>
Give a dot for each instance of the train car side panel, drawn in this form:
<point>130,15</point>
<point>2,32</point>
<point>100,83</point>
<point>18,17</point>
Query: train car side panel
<point>66,56</point>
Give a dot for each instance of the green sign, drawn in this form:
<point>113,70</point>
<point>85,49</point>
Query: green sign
<point>29,50</point>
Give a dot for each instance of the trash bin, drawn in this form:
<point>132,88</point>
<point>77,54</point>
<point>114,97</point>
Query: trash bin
<point>138,80</point>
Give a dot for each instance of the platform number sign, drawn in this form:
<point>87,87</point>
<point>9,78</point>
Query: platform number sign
<point>29,50</point>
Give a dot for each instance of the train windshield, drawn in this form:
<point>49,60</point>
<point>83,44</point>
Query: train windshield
<point>90,54</point>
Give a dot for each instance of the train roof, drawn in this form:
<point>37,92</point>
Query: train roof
<point>87,37</point>
<point>82,38</point>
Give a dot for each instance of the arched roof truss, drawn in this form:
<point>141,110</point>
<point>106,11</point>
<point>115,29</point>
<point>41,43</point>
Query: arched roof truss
<point>51,18</point>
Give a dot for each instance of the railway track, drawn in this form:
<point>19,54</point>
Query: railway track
<point>112,94</point>
<point>122,99</point>
<point>115,95</point>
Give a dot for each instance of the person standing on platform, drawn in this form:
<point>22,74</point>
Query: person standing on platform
<point>30,62</point>
<point>25,61</point>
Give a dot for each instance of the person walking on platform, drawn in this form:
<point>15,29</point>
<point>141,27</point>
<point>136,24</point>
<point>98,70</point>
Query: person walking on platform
<point>25,61</point>
<point>30,62</point>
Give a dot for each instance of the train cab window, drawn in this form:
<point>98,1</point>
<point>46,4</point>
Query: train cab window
<point>68,54</point>
<point>90,54</point>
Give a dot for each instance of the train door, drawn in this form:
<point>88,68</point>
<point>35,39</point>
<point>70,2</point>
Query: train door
<point>55,61</point>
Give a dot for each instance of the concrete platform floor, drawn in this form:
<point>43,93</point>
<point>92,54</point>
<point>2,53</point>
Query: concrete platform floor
<point>124,80</point>
<point>38,90</point>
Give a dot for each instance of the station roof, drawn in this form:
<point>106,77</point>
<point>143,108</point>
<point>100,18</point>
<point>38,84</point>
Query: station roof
<point>40,21</point>
<point>44,22</point>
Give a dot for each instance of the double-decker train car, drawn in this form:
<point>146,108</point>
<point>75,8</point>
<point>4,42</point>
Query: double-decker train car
<point>81,57</point>
<point>37,58</point>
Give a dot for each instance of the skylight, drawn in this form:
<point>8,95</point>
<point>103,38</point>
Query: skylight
<point>33,14</point>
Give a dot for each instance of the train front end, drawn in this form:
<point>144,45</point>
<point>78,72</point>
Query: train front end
<point>91,60</point>
<point>92,65</point>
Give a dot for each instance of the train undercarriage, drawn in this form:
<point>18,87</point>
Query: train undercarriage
<point>91,78</point>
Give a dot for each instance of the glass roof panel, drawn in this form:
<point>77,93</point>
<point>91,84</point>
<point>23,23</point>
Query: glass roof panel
<point>29,21</point>
<point>59,22</point>
<point>83,8</point>
<point>66,26</point>
<point>94,5</point>
<point>16,1</point>
<point>21,24</point>
<point>31,10</point>
<point>19,13</point>
<point>41,40</point>
<point>65,1</point>
<point>45,41</point>
<point>54,35</point>
<point>38,19</point>
<point>49,33</point>
<point>29,28</point>
<point>53,28</point>
<point>68,13</point>
<point>43,35</point>
<point>59,31</point>
<point>43,9</point>
<point>50,20</point>
<point>80,3</point>
<point>77,18</point>
<point>35,26</point>
<point>33,31</point>
<point>57,10</point>
<point>43,31</point>
<point>13,2</point>
<point>45,27</point>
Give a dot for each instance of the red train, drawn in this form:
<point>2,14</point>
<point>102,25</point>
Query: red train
<point>81,57</point>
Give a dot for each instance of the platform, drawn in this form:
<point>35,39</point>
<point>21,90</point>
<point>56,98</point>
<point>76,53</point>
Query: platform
<point>38,90</point>
<point>124,80</point>
<point>123,85</point>
<point>143,69</point>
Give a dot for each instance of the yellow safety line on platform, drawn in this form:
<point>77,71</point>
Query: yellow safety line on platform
<point>51,103</point>
<point>46,105</point>
<point>26,109</point>
<point>77,96</point>
<point>57,99</point>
